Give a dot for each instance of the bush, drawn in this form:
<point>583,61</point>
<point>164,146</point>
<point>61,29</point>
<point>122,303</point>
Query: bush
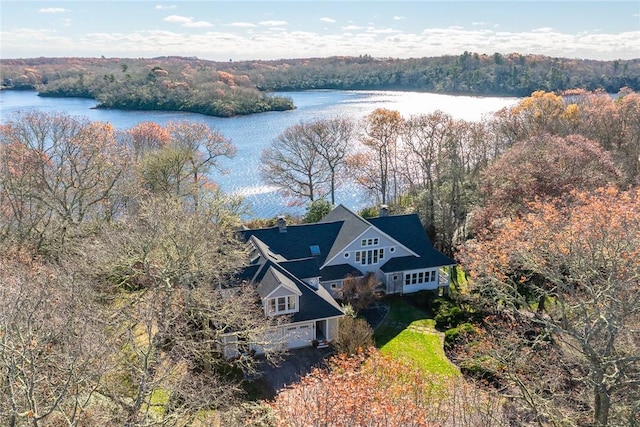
<point>354,335</point>
<point>463,330</point>
<point>449,317</point>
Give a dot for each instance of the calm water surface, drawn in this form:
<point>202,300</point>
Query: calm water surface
<point>251,134</point>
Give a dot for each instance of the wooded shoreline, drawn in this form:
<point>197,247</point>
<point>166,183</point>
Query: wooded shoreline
<point>226,89</point>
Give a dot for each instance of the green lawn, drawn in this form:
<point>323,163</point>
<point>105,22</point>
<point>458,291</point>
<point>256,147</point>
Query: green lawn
<point>422,347</point>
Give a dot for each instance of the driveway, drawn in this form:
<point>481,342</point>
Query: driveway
<point>295,364</point>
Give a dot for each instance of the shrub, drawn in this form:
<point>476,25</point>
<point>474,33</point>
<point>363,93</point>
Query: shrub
<point>448,318</point>
<point>463,330</point>
<point>354,335</point>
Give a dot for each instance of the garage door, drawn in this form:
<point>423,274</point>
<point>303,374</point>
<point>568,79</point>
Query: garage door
<point>299,336</point>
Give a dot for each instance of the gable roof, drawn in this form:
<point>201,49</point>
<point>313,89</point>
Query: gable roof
<point>313,303</point>
<point>352,227</point>
<point>407,229</point>
<point>274,279</point>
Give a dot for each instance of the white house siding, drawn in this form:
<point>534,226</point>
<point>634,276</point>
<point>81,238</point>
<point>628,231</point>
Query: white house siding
<point>394,282</point>
<point>392,249</point>
<point>334,287</point>
<point>424,285</point>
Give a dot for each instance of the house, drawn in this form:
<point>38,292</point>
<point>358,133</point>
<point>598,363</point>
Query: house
<point>299,270</point>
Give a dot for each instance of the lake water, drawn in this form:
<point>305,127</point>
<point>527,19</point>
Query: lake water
<point>251,134</point>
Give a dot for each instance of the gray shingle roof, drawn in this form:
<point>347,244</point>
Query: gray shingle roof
<point>298,239</point>
<point>287,257</point>
<point>339,272</point>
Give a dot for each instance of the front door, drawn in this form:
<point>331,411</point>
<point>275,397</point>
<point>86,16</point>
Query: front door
<point>321,330</point>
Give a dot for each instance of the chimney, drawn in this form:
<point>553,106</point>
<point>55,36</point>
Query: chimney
<point>282,224</point>
<point>384,210</point>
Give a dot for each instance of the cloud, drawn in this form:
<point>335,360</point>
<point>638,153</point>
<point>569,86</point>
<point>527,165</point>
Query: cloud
<point>242,24</point>
<point>197,24</point>
<point>328,20</point>
<point>187,21</point>
<point>264,43</point>
<point>273,23</point>
<point>178,19</point>
<point>53,10</point>
<point>399,18</point>
<point>542,30</point>
<point>165,7</point>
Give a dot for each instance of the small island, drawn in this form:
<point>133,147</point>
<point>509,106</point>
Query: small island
<point>164,84</point>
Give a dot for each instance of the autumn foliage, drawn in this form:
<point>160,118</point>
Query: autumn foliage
<point>569,271</point>
<point>373,389</point>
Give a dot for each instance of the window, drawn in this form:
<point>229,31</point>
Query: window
<point>369,242</point>
<point>370,256</point>
<point>420,277</point>
<point>282,304</point>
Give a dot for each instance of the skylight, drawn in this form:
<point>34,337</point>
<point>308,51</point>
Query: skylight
<point>315,250</point>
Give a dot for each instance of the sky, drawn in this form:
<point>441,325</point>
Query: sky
<point>264,29</point>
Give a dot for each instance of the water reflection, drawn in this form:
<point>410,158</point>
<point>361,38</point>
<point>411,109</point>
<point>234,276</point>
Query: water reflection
<point>252,134</point>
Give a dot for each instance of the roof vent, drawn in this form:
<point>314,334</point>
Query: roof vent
<point>282,224</point>
<point>384,210</point>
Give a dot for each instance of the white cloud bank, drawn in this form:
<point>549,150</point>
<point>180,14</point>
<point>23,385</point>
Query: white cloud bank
<point>275,41</point>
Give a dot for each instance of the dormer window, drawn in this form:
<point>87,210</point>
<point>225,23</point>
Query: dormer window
<point>281,305</point>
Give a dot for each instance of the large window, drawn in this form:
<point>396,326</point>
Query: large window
<point>420,277</point>
<point>370,256</point>
<point>282,304</point>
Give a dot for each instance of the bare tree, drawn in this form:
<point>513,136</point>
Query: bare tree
<point>165,274</point>
<point>331,138</point>
<point>59,173</point>
<point>376,166</point>
<point>52,353</point>
<point>354,335</point>
<point>178,158</point>
<point>359,292</point>
<point>295,166</point>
